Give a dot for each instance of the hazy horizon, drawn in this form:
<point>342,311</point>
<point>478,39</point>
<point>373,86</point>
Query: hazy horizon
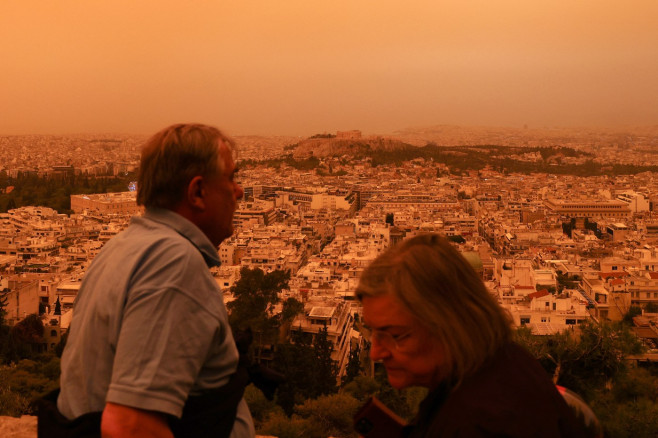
<point>297,68</point>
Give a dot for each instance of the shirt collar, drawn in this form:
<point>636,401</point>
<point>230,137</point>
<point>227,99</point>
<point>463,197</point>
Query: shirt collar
<point>186,229</point>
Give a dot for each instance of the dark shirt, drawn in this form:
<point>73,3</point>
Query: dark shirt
<point>511,396</point>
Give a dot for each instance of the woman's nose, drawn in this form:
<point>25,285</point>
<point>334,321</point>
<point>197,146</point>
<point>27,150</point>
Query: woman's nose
<point>377,351</point>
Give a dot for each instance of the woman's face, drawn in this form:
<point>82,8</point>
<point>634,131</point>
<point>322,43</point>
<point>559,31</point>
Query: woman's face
<point>411,356</point>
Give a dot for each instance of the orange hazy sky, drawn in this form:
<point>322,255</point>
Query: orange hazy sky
<point>300,67</point>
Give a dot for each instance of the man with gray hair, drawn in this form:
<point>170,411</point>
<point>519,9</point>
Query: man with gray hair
<point>150,351</point>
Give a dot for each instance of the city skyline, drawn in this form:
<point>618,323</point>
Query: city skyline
<point>256,68</point>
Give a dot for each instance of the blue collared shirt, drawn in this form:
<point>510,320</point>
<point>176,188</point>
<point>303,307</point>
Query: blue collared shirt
<point>149,325</point>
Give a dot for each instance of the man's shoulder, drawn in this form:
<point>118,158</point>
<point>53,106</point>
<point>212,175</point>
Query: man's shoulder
<point>143,249</point>
<point>144,235</point>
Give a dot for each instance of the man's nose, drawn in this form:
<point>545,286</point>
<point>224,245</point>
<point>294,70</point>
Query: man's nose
<point>239,191</point>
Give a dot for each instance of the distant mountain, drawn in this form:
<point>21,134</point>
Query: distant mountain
<point>451,135</point>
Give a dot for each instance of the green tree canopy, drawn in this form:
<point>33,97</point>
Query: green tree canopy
<point>255,294</point>
<point>353,368</point>
<point>584,360</point>
<point>29,330</point>
<point>290,309</point>
<point>309,370</point>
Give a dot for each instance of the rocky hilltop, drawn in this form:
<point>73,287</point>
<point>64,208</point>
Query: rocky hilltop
<point>335,147</point>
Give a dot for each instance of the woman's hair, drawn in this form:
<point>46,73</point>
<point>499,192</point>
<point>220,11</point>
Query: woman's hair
<point>431,279</point>
<point>175,155</point>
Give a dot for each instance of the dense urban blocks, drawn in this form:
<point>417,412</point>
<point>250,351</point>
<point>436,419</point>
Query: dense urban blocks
<point>565,254</point>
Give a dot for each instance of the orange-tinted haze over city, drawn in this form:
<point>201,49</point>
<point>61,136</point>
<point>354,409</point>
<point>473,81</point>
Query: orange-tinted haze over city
<point>300,67</point>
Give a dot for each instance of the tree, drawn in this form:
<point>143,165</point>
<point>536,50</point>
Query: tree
<point>290,309</point>
<point>25,339</point>
<point>633,311</point>
<point>260,407</point>
<point>255,294</point>
<point>29,330</point>
<point>362,387</point>
<point>297,362</point>
<point>326,367</point>
<point>629,409</point>
<point>637,383</point>
<point>584,360</point>
<point>11,204</point>
<point>353,368</point>
<point>329,415</point>
<point>26,380</point>
<point>309,369</point>
<point>5,331</point>
<point>3,306</point>
<point>282,426</point>
<point>12,403</point>
<point>564,282</point>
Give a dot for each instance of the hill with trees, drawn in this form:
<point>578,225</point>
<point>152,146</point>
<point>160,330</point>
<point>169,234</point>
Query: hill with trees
<point>55,192</point>
<point>378,151</point>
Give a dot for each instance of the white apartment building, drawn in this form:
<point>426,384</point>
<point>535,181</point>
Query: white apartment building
<point>643,287</point>
<point>548,313</point>
<point>337,317</point>
<point>257,212</point>
<point>335,200</point>
<point>514,279</point>
<point>636,202</point>
<point>607,295</point>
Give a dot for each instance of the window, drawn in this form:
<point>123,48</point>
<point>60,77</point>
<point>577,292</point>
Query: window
<point>53,333</point>
<point>525,320</point>
<point>570,321</point>
<point>554,306</point>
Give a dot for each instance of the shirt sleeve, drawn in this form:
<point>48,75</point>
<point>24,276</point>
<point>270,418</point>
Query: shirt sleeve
<point>163,342</point>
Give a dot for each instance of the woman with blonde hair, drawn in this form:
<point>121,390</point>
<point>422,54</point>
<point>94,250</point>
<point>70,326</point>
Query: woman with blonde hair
<point>432,323</point>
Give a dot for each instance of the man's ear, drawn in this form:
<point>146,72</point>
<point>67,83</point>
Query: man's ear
<point>196,193</point>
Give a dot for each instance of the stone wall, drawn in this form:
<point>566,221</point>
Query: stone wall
<point>23,427</point>
<point>26,427</point>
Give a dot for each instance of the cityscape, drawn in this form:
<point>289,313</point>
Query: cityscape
<point>521,135</point>
<point>559,223</point>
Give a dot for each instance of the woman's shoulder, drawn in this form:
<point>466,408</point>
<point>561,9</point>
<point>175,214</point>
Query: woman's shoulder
<point>511,395</point>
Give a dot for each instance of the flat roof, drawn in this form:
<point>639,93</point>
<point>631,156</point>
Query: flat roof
<point>321,312</point>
